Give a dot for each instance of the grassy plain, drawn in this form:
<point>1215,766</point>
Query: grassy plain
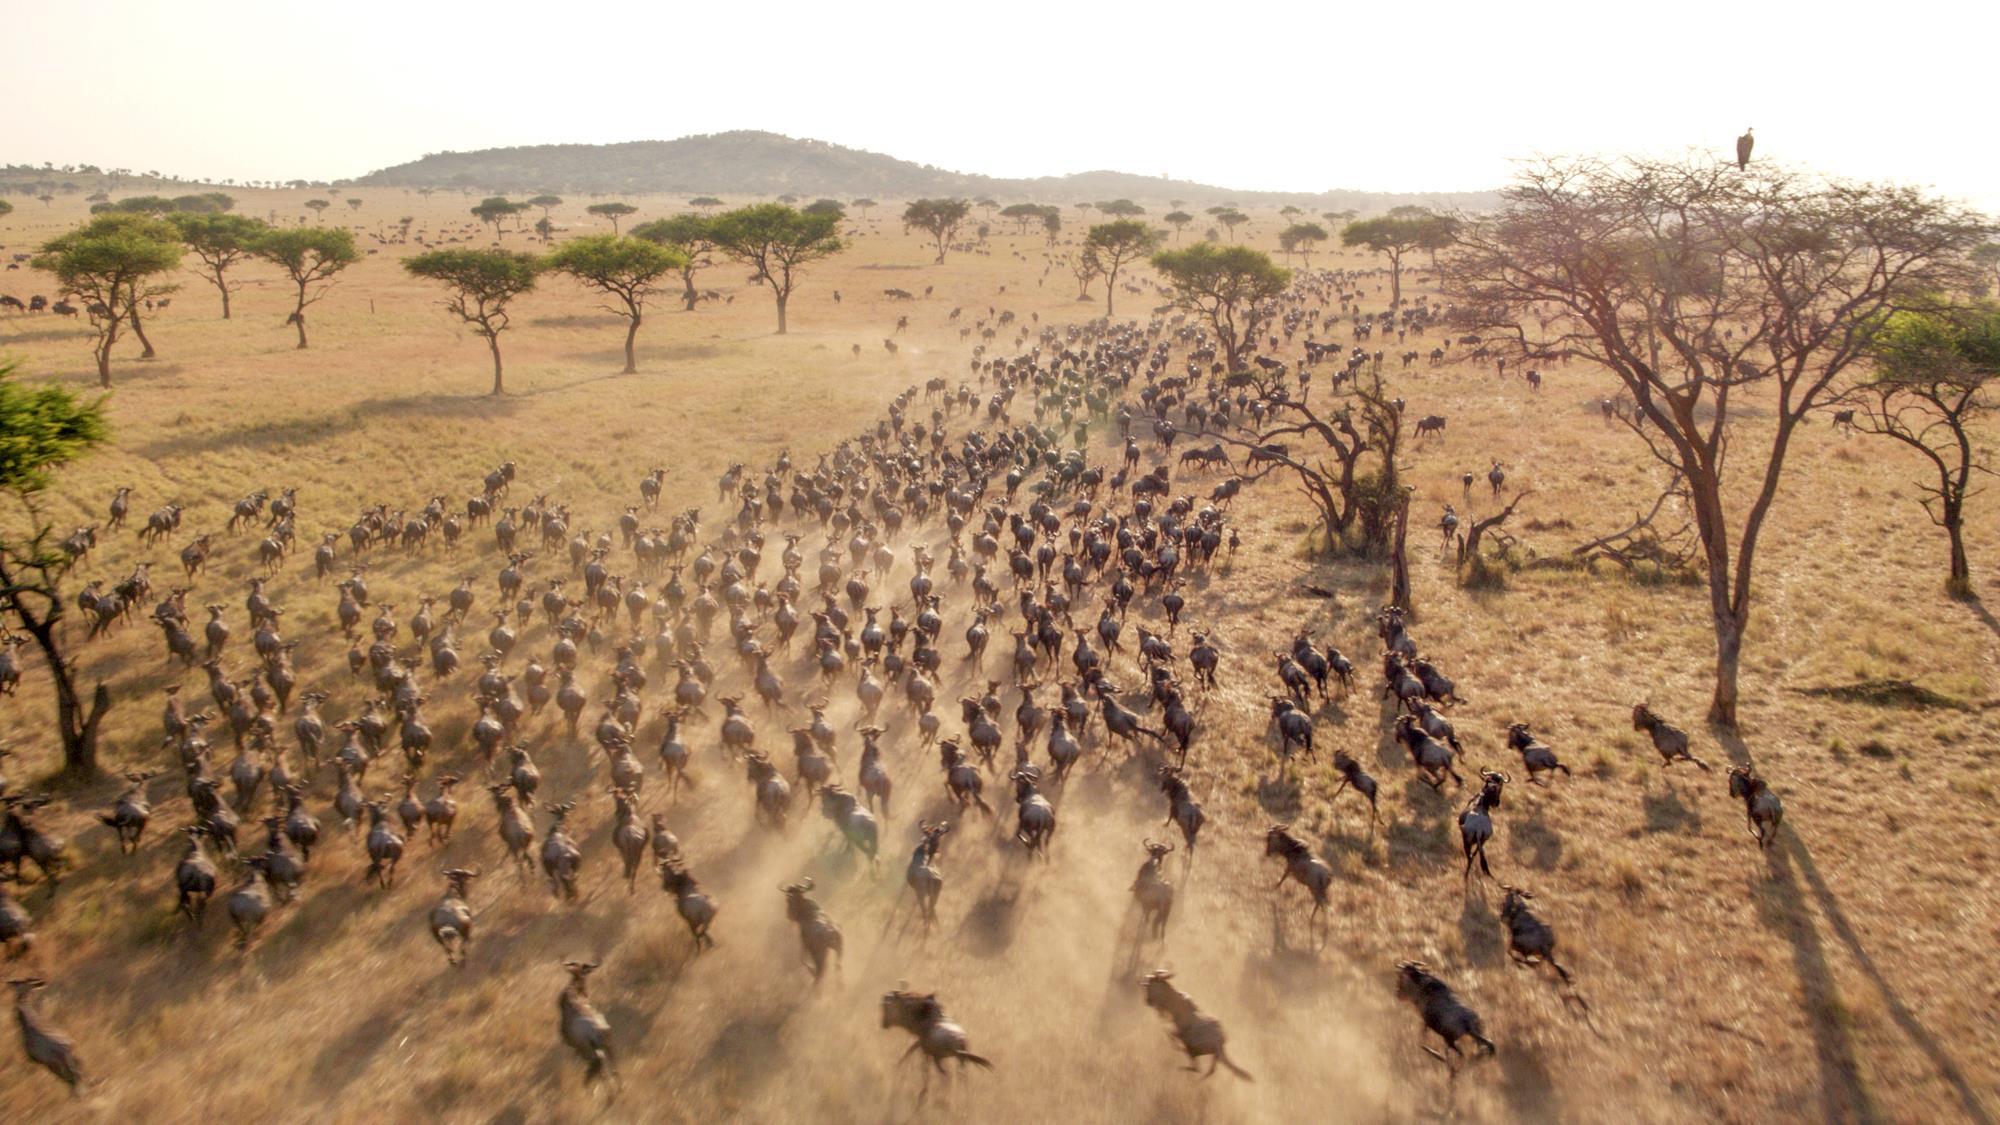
<point>1846,975</point>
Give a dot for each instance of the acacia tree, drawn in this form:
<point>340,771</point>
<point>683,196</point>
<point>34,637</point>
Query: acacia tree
<point>691,236</point>
<point>939,218</point>
<point>1929,387</point>
<point>826,207</point>
<point>310,257</point>
<point>1342,457</point>
<point>219,241</point>
<point>1179,221</point>
<point>481,284</point>
<point>317,207</point>
<point>112,264</point>
<point>354,204</point>
<point>1699,287</point>
<point>778,242</point>
<point>1232,287</point>
<point>614,211</point>
<point>625,269</point>
<point>1231,219</point>
<point>1395,235</point>
<point>494,208</point>
<point>1112,245</point>
<point>545,201</point>
<point>1052,222</point>
<point>41,429</point>
<point>1085,267</point>
<point>1021,213</point>
<point>706,203</point>
<point>1120,209</point>
<point>1302,237</point>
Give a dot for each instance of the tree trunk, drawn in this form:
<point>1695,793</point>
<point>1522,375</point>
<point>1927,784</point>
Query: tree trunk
<point>77,727</point>
<point>690,294</point>
<point>1960,583</point>
<point>104,363</point>
<point>299,317</point>
<point>1395,281</point>
<point>493,342</point>
<point>139,330</point>
<point>1110,286</point>
<point>631,335</point>
<point>1728,657</point>
<point>220,284</point>
<point>1399,561</point>
<point>782,298</point>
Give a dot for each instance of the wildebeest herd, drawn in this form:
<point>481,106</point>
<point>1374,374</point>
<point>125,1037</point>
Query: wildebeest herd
<point>674,626</point>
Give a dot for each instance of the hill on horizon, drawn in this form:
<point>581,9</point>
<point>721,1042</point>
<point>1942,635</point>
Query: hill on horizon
<point>749,162</point>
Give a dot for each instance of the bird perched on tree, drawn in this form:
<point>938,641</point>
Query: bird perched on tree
<point>1743,145</point>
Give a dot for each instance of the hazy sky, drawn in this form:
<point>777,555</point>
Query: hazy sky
<point>1247,94</point>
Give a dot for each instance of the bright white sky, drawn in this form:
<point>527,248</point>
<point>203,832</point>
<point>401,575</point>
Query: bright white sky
<point>1250,94</point>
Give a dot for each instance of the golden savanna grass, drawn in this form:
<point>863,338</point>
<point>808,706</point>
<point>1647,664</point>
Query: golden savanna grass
<point>1848,974</point>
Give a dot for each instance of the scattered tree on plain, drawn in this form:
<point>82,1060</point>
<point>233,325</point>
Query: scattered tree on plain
<point>862,205</point>
<point>1931,382</point>
<point>111,264</point>
<point>219,241</point>
<point>481,284</point>
<point>1700,287</point>
<point>705,203</point>
<point>1120,209</point>
<point>1301,238</point>
<point>625,269</point>
<point>1229,286</point>
<point>826,207</point>
<point>494,208</point>
<point>1113,245</point>
<point>1179,221</point>
<point>1395,235</point>
<point>317,207</point>
<point>778,242</point>
<point>545,201</point>
<point>1022,213</point>
<point>691,236</point>
<point>939,218</point>
<point>310,257</point>
<point>616,212</point>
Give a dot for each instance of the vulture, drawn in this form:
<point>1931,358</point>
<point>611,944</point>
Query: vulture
<point>1743,146</point>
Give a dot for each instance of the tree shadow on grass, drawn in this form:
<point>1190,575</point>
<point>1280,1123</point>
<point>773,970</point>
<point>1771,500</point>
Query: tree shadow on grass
<point>1846,1096</point>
